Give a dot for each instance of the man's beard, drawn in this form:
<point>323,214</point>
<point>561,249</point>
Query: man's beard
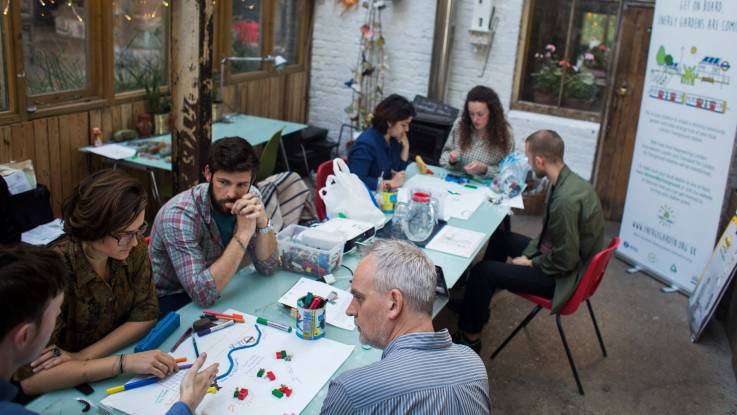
<point>379,343</point>
<point>220,204</point>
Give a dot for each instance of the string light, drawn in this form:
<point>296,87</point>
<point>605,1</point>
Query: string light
<point>7,6</point>
<point>165,3</point>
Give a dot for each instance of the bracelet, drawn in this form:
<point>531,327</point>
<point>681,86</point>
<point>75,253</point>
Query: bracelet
<point>120,363</point>
<point>239,242</point>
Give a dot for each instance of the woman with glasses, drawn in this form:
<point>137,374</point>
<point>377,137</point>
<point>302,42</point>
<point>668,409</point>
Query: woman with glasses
<point>110,301</point>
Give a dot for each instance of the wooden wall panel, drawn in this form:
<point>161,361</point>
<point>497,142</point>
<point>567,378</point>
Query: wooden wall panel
<point>41,142</point>
<point>56,186</point>
<point>53,142</point>
<point>5,148</point>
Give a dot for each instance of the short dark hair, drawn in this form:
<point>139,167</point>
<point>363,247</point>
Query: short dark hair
<point>392,109</point>
<point>30,277</point>
<point>548,144</point>
<point>102,204</point>
<point>232,154</point>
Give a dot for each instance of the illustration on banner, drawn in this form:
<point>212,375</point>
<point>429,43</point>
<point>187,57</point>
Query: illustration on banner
<point>706,70</point>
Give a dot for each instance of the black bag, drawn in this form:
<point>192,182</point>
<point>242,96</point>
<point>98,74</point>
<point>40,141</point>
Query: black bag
<point>22,212</point>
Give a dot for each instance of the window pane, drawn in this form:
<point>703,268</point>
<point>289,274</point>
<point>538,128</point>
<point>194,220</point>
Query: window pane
<point>246,34</point>
<point>542,78</point>
<point>141,32</point>
<point>3,74</point>
<point>594,27</point>
<point>287,30</point>
<point>54,45</point>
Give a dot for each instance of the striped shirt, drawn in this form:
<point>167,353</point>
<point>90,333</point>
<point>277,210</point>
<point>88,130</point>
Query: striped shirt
<point>185,241</point>
<point>419,373</point>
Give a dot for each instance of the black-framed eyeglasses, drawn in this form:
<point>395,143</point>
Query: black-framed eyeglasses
<point>125,238</point>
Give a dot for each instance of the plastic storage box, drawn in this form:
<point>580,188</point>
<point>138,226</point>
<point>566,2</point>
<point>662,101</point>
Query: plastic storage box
<point>296,256</point>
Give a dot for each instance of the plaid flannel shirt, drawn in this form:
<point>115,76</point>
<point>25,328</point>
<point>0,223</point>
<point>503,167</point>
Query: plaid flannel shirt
<point>185,242</point>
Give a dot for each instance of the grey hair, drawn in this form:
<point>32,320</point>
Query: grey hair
<point>401,265</point>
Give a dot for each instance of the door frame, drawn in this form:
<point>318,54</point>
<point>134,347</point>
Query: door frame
<point>610,91</point>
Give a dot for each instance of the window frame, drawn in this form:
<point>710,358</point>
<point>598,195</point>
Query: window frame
<point>223,46</point>
<point>101,60</point>
<point>521,64</point>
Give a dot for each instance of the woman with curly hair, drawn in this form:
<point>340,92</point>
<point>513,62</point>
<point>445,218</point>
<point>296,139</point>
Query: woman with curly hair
<point>480,138</point>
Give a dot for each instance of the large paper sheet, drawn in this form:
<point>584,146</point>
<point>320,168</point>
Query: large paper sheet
<point>44,234</point>
<point>334,312</point>
<point>17,182</point>
<point>311,366</point>
<point>455,200</point>
<point>114,151</point>
<point>456,241</point>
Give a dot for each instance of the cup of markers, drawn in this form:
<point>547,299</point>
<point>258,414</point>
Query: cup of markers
<point>311,317</point>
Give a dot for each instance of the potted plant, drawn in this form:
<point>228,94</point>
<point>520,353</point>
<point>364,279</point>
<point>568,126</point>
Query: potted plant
<point>580,89</point>
<point>158,104</point>
<point>546,80</point>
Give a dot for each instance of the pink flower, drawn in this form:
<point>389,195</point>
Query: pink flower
<point>564,63</point>
<point>589,56</point>
<point>550,47</point>
<point>602,46</point>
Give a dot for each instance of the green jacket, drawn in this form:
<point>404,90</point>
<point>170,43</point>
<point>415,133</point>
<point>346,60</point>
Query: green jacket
<point>576,225</point>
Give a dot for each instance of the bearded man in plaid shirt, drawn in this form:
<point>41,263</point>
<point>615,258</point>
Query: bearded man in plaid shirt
<point>203,236</point>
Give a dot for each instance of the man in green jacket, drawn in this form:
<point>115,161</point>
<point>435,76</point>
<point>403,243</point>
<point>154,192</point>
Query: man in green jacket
<point>550,265</point>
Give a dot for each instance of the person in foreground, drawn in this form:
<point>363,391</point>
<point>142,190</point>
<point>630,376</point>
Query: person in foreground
<point>203,236</point>
<point>32,283</point>
<point>379,155</point>
<point>109,300</point>
<point>421,371</point>
<point>551,265</point>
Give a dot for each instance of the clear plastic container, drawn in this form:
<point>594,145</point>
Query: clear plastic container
<point>420,219</point>
<point>298,257</point>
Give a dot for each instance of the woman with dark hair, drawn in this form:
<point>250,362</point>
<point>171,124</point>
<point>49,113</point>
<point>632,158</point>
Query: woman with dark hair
<point>480,138</point>
<point>110,300</point>
<point>379,155</point>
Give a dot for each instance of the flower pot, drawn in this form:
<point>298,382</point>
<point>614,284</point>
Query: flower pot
<point>161,124</point>
<point>145,125</point>
<point>544,98</point>
<point>579,103</point>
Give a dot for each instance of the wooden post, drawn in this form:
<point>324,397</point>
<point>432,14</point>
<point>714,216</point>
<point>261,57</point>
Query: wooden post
<point>191,86</point>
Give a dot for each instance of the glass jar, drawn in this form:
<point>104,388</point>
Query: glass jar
<point>420,219</point>
<point>400,211</point>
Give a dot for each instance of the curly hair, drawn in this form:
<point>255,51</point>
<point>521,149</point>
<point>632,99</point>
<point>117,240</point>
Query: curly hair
<point>497,129</point>
<point>103,203</point>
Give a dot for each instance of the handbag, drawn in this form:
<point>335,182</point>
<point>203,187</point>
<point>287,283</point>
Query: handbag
<point>345,195</point>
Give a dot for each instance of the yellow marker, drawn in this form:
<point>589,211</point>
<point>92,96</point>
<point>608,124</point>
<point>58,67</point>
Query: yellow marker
<point>115,389</point>
<point>212,389</point>
<point>421,164</point>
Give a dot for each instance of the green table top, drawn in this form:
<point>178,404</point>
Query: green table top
<point>257,294</point>
<point>256,130</point>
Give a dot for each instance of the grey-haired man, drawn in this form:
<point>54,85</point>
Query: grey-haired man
<point>421,370</point>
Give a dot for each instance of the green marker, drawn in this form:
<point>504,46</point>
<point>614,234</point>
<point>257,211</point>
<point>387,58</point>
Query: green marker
<point>470,186</point>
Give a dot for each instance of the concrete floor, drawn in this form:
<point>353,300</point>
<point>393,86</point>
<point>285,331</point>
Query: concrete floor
<point>652,368</point>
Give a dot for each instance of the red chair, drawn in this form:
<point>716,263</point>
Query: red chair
<point>586,288</point>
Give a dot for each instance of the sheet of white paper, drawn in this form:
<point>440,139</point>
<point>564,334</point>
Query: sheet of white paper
<point>334,313</point>
<point>44,234</point>
<point>311,366</point>
<point>17,182</point>
<point>456,241</point>
<point>455,200</point>
<point>114,151</point>
<point>516,202</point>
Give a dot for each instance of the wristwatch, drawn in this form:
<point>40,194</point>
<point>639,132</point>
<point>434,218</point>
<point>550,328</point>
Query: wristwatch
<point>266,229</point>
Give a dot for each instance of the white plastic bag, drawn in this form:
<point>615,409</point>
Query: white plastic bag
<point>345,194</point>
